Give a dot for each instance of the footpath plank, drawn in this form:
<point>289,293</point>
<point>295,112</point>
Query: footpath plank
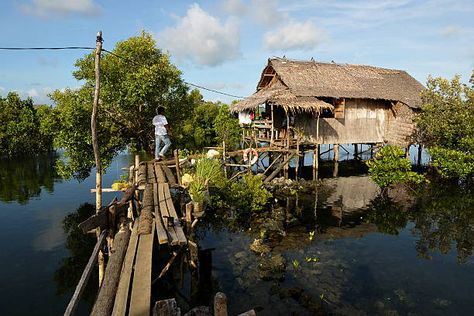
<point>140,300</point>
<point>165,214</point>
<point>169,175</point>
<point>121,298</point>
<point>160,227</point>
<point>160,175</point>
<point>172,211</point>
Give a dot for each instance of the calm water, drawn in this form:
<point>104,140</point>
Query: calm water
<point>39,272</point>
<point>397,256</point>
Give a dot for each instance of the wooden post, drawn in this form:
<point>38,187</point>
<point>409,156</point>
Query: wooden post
<point>336,152</point>
<point>137,163</point>
<point>356,151</point>
<point>176,161</point>
<point>420,149</point>
<point>285,168</point>
<point>407,152</point>
<point>316,158</point>
<point>297,159</point>
<point>220,304</point>
<point>95,146</point>
<point>272,130</point>
<point>223,158</point>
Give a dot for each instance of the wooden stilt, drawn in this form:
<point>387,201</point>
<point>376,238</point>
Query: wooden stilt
<point>356,151</point>
<point>336,152</point>
<point>316,158</point>
<point>420,149</point>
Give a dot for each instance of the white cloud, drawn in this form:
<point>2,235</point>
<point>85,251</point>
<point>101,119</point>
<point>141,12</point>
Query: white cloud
<point>45,8</point>
<point>267,12</point>
<point>202,38</point>
<point>32,93</point>
<point>294,36</point>
<point>2,89</point>
<point>235,7</point>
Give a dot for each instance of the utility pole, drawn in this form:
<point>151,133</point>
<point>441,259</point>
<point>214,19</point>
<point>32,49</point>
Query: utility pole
<point>95,146</point>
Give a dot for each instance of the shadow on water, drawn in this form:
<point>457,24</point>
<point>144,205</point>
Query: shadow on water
<point>80,247</point>
<point>22,179</point>
<point>406,252</point>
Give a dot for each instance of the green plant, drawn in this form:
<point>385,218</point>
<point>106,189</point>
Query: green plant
<point>296,264</point>
<point>446,126</point>
<point>311,235</point>
<point>390,167</point>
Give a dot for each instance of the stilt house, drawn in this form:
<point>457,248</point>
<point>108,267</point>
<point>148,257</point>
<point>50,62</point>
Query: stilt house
<point>327,103</point>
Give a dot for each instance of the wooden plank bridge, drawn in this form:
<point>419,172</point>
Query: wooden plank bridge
<point>126,287</point>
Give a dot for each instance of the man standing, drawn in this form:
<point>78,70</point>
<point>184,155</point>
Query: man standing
<point>161,133</point>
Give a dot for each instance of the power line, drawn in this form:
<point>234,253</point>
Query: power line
<point>47,48</point>
<point>118,56</point>
<point>187,83</point>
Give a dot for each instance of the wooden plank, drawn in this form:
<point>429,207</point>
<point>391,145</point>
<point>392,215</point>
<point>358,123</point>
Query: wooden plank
<point>160,227</point>
<point>145,221</point>
<point>105,299</point>
<point>72,306</point>
<point>165,215</point>
<point>140,300</point>
<point>160,176</point>
<point>169,175</point>
<point>150,178</point>
<point>121,298</point>
<point>171,210</point>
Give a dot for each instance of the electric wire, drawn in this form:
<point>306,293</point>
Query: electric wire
<point>115,55</point>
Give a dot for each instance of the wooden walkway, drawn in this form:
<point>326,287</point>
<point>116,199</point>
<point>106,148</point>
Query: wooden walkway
<point>158,216</point>
<point>127,285</point>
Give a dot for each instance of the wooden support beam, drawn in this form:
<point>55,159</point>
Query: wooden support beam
<point>105,299</point>
<point>278,169</point>
<point>123,289</point>
<point>220,304</point>
<point>73,303</point>
<point>167,307</point>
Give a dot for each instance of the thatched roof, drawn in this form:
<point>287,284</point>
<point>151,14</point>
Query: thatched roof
<point>311,79</point>
<point>282,96</point>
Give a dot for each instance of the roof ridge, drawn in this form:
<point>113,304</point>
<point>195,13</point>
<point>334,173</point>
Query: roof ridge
<point>303,61</point>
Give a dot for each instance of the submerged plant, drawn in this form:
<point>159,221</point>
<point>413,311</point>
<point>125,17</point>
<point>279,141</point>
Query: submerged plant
<point>311,235</point>
<point>296,264</point>
<point>313,259</point>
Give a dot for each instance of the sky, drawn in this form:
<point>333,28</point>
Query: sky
<point>224,45</point>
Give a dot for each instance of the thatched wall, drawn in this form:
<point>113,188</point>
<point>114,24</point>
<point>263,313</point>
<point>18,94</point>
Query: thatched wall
<point>400,126</point>
<point>364,122</point>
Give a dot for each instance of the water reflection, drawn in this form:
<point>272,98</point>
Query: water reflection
<point>369,252</point>
<point>22,179</point>
<point>80,248</point>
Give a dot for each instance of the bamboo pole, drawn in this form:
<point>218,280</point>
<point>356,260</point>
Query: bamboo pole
<point>95,146</point>
<point>272,131</point>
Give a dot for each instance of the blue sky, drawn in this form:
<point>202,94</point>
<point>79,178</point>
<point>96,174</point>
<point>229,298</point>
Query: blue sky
<point>225,44</point>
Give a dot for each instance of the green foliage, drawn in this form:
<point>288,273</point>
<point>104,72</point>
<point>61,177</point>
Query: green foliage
<point>198,130</point>
<point>249,194</point>
<point>227,128</point>
<point>390,167</point>
<point>22,131</point>
<point>446,126</point>
<point>131,89</point>
<point>207,172</point>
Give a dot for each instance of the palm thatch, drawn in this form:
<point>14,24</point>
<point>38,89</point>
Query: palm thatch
<point>309,78</point>
<point>299,84</point>
<point>283,97</point>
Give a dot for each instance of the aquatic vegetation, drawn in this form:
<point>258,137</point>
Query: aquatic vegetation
<point>313,259</point>
<point>391,167</point>
<point>311,235</point>
<point>296,264</point>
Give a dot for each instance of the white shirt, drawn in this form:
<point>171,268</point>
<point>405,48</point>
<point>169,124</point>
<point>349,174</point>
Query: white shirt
<point>160,121</point>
